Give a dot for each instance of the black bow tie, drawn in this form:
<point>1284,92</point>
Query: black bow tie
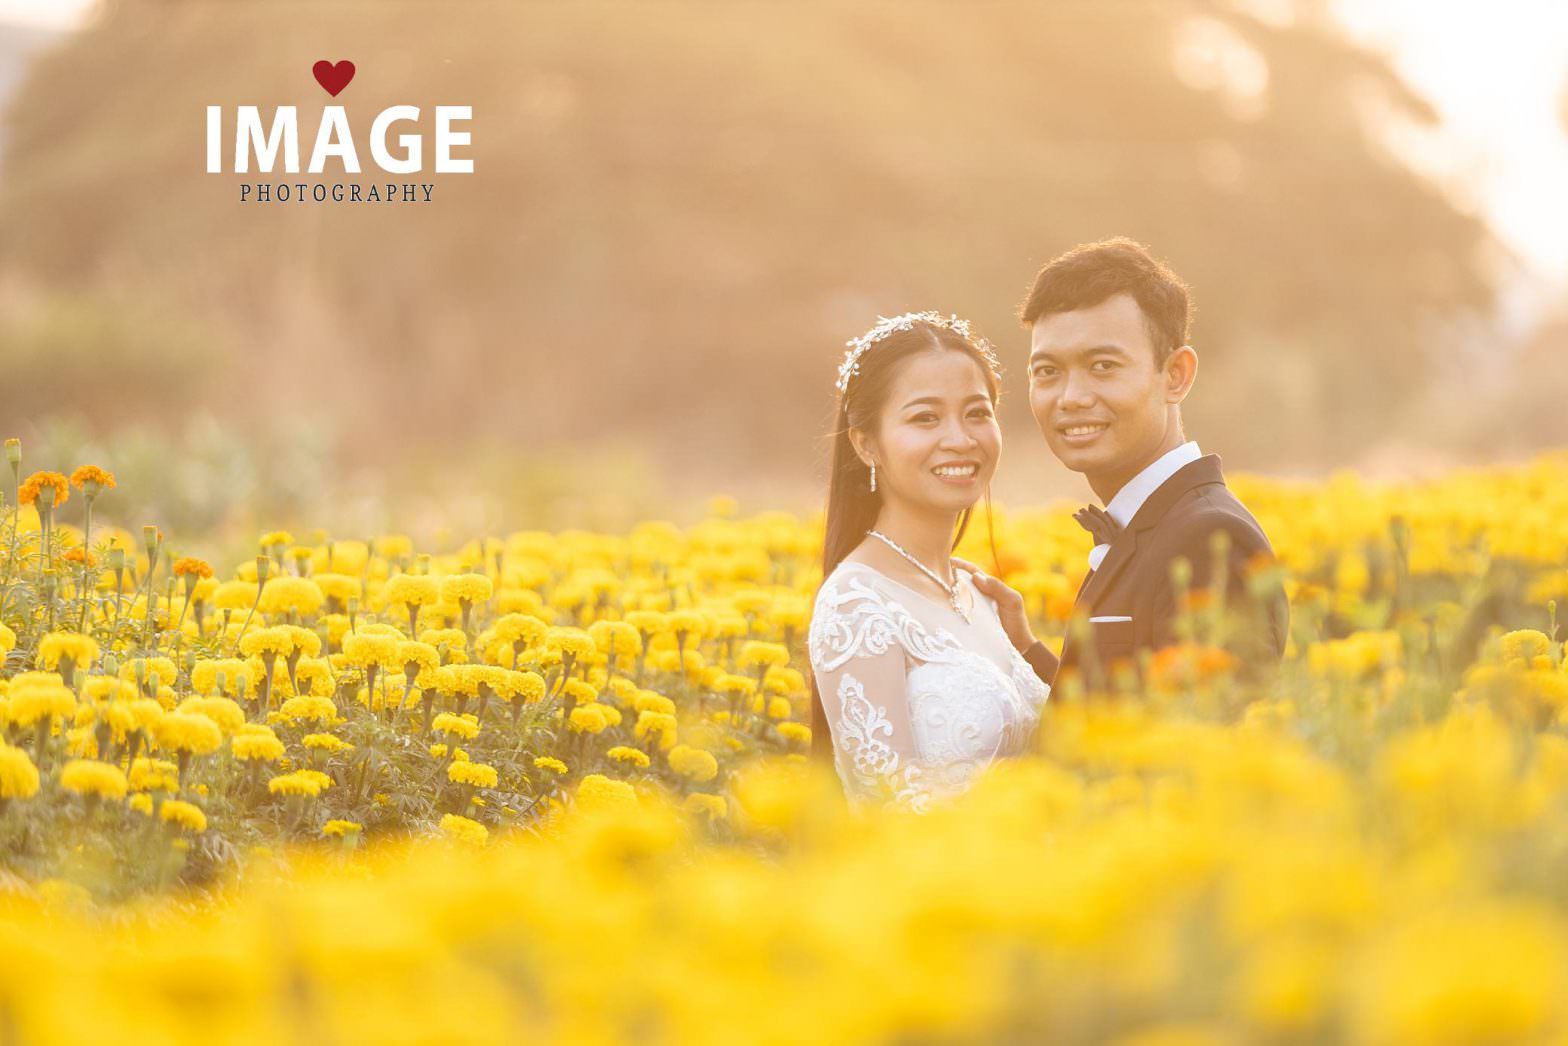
<point>1098,523</point>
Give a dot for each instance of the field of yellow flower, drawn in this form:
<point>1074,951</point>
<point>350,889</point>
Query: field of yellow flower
<point>555,785</point>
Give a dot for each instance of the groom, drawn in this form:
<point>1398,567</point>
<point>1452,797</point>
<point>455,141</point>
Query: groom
<point>1109,366</point>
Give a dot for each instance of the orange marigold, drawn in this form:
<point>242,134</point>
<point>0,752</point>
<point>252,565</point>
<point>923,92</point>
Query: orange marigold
<point>86,474</point>
<point>80,554</point>
<point>191,565</point>
<point>34,485</point>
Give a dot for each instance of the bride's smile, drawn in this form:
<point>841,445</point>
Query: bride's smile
<point>938,443</point>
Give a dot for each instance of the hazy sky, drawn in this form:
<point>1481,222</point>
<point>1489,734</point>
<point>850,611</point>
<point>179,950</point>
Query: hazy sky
<point>1497,71</point>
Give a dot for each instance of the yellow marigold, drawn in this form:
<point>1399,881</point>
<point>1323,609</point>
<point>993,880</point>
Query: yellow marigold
<point>527,686</point>
<point>7,640</point>
<point>755,655</point>
<point>18,775</point>
<point>648,701</point>
<point>729,626</point>
<point>580,692</point>
<point>35,484</point>
<point>235,595</point>
<point>786,681</point>
<point>799,733</point>
<point>464,830</point>
<point>364,649</point>
<point>276,537</point>
<point>789,613</point>
<point>693,763</point>
<point>519,628</point>
<point>1524,645</point>
<point>185,732</point>
<point>423,656</point>
<point>779,708</point>
<point>100,479</point>
<point>38,695</point>
<point>464,726</point>
<point>82,650</point>
<point>656,724</point>
<point>598,792</point>
<point>551,763</point>
<point>475,588</point>
<point>147,712</point>
<point>340,587</point>
<point>687,623</point>
<point>141,803</point>
<point>452,639</point>
<point>205,672</point>
<point>616,637</point>
<point>153,670</point>
<point>300,782</point>
<point>326,743</point>
<point>306,642</point>
<point>315,677</point>
<point>154,775</point>
<point>322,779</point>
<point>631,756</point>
<point>736,686</point>
<point>480,775</point>
<point>229,716</point>
<point>284,594</point>
<point>588,719</point>
<point>648,622</point>
<point>90,777</point>
<point>183,815</point>
<point>261,641</point>
<point>406,590</point>
<point>107,688</point>
<point>339,828</point>
<point>309,709</point>
<point>573,641</point>
<point>193,567</point>
<point>713,807</point>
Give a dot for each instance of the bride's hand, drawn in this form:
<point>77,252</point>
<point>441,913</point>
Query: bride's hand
<point>1009,606</point>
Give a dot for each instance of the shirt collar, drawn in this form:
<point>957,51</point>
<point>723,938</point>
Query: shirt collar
<point>1136,491</point>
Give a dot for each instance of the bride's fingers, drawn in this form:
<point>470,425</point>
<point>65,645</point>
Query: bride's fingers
<point>959,561</point>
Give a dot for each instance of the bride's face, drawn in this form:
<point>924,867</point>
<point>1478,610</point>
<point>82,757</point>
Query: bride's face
<point>937,442</point>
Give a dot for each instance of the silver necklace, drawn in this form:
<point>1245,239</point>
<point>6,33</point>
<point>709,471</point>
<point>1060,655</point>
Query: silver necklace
<point>951,590</point>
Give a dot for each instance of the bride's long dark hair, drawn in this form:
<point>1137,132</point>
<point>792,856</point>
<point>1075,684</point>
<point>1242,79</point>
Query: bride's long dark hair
<point>852,506</point>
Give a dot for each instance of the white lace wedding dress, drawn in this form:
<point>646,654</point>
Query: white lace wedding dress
<point>919,701</point>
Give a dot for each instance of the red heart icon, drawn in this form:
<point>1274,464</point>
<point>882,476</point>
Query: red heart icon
<point>333,78</point>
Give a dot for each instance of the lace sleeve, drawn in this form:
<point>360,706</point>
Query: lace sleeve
<point>862,674</point>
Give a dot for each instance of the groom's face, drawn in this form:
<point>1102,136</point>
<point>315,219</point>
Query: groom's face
<point>1095,388</point>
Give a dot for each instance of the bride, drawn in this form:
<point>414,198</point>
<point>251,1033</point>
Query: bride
<point>915,680</point>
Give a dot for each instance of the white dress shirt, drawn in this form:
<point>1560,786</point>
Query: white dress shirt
<point>1127,501</point>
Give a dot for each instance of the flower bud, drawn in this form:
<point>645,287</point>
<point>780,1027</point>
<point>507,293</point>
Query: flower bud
<point>263,567</point>
<point>13,451</point>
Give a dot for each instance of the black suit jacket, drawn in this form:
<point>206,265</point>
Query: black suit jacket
<point>1134,580</point>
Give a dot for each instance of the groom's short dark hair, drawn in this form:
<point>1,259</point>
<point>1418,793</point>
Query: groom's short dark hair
<point>1092,272</point>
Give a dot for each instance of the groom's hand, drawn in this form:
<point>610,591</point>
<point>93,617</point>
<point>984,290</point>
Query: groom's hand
<point>1009,606</point>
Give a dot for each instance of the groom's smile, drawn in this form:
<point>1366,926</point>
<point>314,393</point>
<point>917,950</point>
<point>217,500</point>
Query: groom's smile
<point>1098,392</point>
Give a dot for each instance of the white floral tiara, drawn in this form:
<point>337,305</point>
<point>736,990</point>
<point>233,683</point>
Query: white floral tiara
<point>886,325</point>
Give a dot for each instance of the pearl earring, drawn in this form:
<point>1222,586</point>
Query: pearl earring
<point>873,477</point>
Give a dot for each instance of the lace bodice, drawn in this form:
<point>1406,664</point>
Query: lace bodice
<point>918,700</point>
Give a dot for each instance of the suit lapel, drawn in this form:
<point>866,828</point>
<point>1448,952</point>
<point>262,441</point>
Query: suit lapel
<point>1125,546</point>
